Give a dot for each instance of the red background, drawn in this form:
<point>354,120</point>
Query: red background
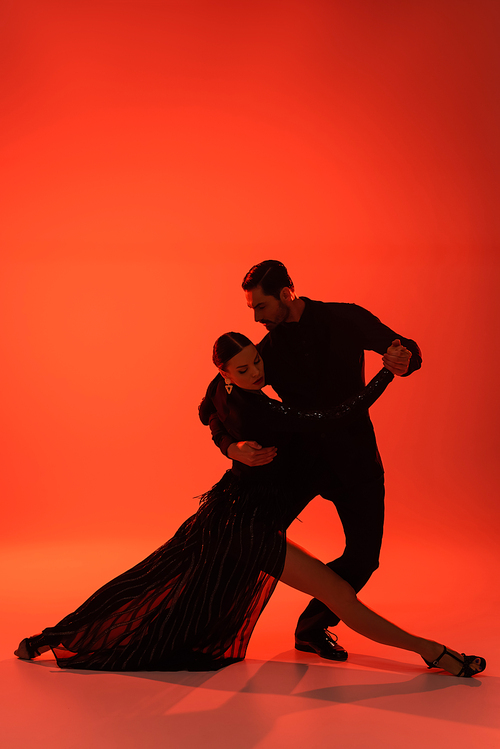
<point>151,153</point>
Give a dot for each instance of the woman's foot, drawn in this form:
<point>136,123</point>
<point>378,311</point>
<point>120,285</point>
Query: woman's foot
<point>31,647</point>
<point>455,663</point>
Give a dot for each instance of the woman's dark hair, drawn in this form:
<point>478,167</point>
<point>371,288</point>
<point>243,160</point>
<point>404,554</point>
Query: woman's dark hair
<point>227,346</point>
<point>270,275</point>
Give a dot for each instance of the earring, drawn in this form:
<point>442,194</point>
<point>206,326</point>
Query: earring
<point>228,385</point>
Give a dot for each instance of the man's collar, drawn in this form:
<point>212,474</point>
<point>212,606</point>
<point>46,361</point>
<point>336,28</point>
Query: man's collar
<point>305,312</point>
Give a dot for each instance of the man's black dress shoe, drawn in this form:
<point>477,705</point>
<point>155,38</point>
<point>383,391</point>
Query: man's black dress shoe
<point>323,643</point>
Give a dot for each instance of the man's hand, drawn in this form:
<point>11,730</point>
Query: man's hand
<point>397,358</point>
<point>251,453</point>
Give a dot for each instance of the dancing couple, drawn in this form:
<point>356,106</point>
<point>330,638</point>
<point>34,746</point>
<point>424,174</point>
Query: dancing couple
<point>193,603</point>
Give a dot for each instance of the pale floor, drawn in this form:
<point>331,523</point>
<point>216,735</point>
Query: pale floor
<point>278,697</point>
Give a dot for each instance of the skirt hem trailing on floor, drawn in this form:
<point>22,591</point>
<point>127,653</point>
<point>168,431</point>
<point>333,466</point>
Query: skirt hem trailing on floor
<point>194,602</point>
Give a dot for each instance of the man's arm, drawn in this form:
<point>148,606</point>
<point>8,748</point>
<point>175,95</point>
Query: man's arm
<point>375,336</point>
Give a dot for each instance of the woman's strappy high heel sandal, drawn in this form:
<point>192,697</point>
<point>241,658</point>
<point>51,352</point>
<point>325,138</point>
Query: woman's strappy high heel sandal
<point>468,662</point>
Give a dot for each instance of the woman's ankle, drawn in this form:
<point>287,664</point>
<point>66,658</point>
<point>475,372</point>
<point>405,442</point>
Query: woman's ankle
<point>429,650</point>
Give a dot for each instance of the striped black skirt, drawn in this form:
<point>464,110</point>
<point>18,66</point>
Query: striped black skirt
<point>194,602</point>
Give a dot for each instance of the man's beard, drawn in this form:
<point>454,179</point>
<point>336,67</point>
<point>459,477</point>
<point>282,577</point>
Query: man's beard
<point>282,315</point>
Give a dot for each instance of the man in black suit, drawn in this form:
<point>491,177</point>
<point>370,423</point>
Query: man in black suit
<point>314,358</point>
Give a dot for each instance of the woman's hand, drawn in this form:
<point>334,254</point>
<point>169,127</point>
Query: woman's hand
<point>397,358</point>
<point>251,453</point>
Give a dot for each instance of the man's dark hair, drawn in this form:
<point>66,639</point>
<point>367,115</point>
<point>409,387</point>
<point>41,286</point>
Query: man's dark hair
<point>270,275</point>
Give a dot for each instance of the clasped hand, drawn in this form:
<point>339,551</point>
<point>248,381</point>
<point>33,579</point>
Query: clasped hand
<point>397,358</point>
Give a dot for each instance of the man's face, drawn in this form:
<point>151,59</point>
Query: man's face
<point>267,309</point>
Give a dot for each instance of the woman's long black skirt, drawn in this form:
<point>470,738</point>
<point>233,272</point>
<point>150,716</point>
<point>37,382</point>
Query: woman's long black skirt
<point>193,603</point>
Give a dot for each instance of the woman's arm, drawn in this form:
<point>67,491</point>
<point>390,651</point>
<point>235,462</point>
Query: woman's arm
<point>281,418</point>
<point>248,452</point>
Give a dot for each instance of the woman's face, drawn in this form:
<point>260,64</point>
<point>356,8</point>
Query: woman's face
<point>246,369</point>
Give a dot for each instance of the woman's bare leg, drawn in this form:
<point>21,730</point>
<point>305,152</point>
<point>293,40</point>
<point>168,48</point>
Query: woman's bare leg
<point>306,573</point>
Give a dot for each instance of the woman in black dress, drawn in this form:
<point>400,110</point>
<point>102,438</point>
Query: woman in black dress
<point>193,603</point>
